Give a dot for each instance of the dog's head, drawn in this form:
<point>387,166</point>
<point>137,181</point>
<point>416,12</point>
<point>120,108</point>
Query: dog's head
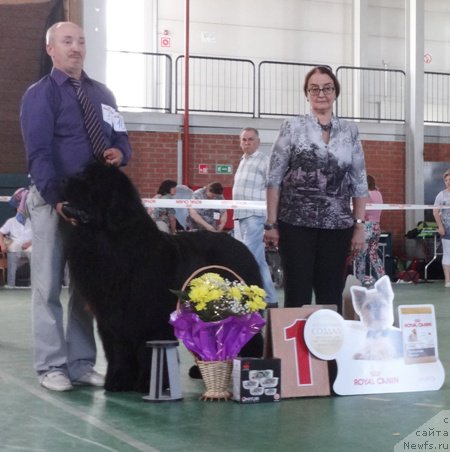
<point>105,197</point>
<point>374,306</point>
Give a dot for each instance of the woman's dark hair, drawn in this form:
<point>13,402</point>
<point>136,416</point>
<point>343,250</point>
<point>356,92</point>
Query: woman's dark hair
<point>166,186</point>
<point>215,187</point>
<point>322,70</point>
<point>371,182</point>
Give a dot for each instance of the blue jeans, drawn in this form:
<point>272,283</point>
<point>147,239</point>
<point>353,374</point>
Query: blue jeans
<point>71,350</point>
<point>252,235</point>
<point>13,262</point>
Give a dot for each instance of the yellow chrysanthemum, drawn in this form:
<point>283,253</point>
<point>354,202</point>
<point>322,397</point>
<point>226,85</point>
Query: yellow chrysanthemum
<point>235,293</point>
<point>256,304</point>
<point>204,294</point>
<point>198,294</point>
<point>208,278</point>
<point>255,291</point>
<point>215,294</point>
<point>214,297</point>
<point>200,306</point>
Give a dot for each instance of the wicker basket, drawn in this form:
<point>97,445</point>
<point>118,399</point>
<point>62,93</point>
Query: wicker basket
<point>216,376</point>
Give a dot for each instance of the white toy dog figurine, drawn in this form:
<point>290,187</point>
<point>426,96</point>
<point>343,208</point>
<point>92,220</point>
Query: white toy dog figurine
<point>375,309</point>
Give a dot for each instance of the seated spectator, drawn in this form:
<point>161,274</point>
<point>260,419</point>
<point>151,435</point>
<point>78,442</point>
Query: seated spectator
<point>208,219</point>
<point>164,217</point>
<point>15,240</point>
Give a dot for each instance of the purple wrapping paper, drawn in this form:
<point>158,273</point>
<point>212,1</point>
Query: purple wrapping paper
<point>215,341</point>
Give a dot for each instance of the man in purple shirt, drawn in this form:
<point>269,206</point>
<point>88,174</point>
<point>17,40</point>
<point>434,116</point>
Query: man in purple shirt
<point>57,145</point>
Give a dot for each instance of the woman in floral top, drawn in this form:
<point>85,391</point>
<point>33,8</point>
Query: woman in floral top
<point>442,217</point>
<point>317,171</point>
<point>164,217</point>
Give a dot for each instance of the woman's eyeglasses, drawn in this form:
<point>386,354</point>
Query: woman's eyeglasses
<point>326,90</point>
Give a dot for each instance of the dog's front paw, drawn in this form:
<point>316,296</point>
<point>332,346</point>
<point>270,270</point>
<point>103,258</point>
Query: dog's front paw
<point>119,383</point>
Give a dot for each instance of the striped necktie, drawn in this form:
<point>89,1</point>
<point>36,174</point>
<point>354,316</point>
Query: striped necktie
<point>91,121</point>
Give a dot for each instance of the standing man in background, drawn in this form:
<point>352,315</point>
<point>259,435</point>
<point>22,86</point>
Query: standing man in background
<point>68,121</point>
<point>250,184</point>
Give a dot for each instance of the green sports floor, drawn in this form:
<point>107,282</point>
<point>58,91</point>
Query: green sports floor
<point>88,419</point>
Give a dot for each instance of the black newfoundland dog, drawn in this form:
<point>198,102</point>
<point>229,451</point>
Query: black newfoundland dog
<point>124,267</point>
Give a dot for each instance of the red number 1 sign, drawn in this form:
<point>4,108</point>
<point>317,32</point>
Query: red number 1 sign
<point>302,374</point>
<point>294,333</point>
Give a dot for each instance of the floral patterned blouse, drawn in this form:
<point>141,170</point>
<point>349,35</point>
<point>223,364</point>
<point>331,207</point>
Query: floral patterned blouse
<point>163,213</point>
<point>443,199</point>
<point>317,180</point>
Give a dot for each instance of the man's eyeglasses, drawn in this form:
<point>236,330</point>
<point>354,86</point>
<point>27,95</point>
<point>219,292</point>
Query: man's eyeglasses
<point>326,90</point>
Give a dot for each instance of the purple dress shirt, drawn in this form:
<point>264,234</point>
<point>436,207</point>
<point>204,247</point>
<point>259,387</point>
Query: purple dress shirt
<point>56,140</point>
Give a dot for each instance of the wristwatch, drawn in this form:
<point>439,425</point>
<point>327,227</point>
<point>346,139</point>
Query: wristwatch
<point>359,221</point>
<point>270,226</point>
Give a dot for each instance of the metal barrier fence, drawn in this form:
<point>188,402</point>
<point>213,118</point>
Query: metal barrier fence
<point>280,88</point>
<point>437,97</point>
<point>371,94</point>
<point>217,85</point>
<point>147,77</point>
<point>275,88</point>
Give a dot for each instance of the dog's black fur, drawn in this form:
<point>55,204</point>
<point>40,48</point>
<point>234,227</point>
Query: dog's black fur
<point>124,267</point>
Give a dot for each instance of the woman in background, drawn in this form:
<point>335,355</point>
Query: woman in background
<point>442,217</point>
<point>164,217</point>
<point>372,236</point>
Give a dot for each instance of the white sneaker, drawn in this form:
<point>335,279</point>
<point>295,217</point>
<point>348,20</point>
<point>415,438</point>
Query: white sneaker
<point>92,378</point>
<point>56,381</point>
<point>447,284</point>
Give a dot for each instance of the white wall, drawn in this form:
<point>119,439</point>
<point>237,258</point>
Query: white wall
<point>263,29</point>
<point>308,31</point>
<point>303,31</point>
<point>386,34</point>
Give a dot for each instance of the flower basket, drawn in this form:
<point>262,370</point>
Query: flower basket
<point>215,318</point>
